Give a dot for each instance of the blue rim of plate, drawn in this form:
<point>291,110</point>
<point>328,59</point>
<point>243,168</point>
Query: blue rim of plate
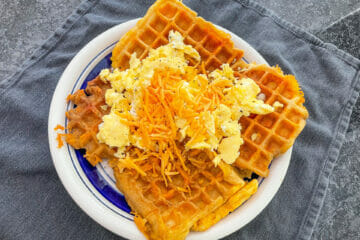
<point>93,175</point>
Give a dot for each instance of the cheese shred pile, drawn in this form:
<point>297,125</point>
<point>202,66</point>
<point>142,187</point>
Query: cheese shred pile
<point>162,109</point>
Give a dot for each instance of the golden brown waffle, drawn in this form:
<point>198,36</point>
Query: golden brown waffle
<point>234,202</point>
<point>85,118</point>
<point>214,46</point>
<point>266,136</point>
<point>169,212</point>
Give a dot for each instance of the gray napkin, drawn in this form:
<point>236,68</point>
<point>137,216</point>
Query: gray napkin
<point>33,202</point>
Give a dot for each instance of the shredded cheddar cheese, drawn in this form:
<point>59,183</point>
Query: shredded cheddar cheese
<point>59,139</point>
<point>59,127</point>
<point>59,136</point>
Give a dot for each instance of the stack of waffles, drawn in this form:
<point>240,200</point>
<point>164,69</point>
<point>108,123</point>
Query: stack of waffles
<point>170,211</point>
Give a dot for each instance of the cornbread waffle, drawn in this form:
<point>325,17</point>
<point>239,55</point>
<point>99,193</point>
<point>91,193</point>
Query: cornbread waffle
<point>230,205</point>
<point>266,136</point>
<point>169,212</point>
<point>214,46</point>
<point>276,132</point>
<point>85,118</point>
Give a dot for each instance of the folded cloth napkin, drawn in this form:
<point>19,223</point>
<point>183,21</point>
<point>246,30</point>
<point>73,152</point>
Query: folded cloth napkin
<point>34,204</point>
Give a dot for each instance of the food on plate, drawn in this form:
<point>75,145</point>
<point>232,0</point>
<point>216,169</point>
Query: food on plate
<point>161,100</point>
<point>184,121</point>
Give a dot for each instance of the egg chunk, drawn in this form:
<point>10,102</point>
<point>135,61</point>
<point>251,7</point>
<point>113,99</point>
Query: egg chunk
<point>114,133</point>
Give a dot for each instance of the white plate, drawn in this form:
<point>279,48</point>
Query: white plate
<point>93,189</point>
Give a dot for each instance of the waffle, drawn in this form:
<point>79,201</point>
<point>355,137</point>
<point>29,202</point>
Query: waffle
<point>169,212</point>
<point>276,132</point>
<point>267,136</point>
<point>214,46</point>
<point>234,202</point>
<point>84,120</point>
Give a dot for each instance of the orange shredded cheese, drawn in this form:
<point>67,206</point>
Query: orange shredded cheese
<point>60,140</point>
<point>59,127</point>
<point>59,136</point>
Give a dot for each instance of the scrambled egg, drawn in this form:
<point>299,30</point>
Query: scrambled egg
<point>114,133</point>
<point>220,132</point>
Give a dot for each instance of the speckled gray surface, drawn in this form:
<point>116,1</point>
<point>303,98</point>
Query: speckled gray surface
<point>339,218</point>
<point>25,24</point>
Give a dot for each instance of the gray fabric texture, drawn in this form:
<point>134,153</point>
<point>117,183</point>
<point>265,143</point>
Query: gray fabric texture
<point>34,204</point>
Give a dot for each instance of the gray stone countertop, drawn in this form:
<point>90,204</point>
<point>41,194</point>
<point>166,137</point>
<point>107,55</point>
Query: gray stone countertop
<point>25,24</point>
